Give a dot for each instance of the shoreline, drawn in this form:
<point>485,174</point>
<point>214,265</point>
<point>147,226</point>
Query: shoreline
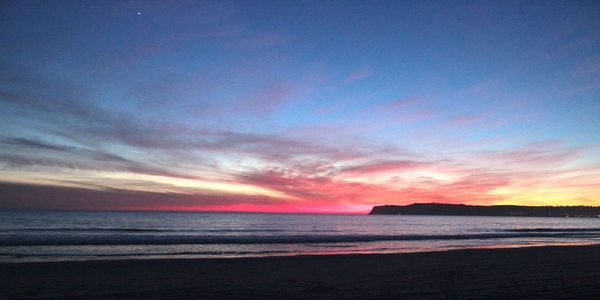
<point>540,272</point>
<point>475,248</point>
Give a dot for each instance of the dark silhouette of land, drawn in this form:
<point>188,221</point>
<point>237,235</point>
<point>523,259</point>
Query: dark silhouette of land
<point>525,273</point>
<point>437,209</point>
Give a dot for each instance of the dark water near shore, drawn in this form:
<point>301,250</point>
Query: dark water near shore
<point>41,236</point>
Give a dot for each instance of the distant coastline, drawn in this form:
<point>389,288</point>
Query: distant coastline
<point>438,209</point>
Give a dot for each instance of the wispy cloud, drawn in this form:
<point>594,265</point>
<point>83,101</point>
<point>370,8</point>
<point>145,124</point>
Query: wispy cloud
<point>314,184</point>
<point>20,153</point>
<point>466,119</point>
<point>269,98</point>
<point>360,74</point>
<point>382,167</point>
<point>545,154</point>
<point>401,103</point>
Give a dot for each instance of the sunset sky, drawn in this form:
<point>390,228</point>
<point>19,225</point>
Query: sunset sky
<point>296,106</point>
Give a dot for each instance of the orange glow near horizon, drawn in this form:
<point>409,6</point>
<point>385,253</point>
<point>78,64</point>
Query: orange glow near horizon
<point>284,209</point>
<point>348,192</point>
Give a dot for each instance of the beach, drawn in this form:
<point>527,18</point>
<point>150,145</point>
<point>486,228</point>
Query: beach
<point>533,272</point>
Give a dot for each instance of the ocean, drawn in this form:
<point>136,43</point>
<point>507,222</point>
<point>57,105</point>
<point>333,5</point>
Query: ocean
<point>60,236</point>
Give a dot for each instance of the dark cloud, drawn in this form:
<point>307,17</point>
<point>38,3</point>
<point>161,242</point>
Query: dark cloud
<point>40,146</point>
<point>27,196</point>
<point>35,144</point>
<point>18,161</point>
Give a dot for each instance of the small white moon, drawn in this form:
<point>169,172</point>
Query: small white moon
<point>139,13</point>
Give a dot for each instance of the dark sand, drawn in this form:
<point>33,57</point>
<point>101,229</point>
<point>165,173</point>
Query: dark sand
<point>541,272</point>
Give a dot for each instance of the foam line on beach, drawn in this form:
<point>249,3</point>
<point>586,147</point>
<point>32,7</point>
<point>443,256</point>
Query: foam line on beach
<point>42,240</point>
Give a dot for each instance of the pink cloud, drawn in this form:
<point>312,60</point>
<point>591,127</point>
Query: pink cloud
<point>471,186</point>
<point>363,73</point>
<point>541,154</point>
<point>401,103</point>
<point>466,119</point>
<point>268,98</point>
<point>382,167</point>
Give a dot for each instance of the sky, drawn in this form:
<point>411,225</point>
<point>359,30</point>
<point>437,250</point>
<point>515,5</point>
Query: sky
<point>298,106</point>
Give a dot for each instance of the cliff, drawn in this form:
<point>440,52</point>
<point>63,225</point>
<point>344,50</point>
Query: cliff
<point>437,209</point>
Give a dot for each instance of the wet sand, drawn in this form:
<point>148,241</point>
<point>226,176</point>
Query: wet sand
<point>538,272</point>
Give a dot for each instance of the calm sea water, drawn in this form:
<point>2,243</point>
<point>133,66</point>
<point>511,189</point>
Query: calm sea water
<point>43,236</point>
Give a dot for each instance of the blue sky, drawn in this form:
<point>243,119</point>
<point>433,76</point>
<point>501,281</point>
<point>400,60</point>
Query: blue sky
<point>222,100</point>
